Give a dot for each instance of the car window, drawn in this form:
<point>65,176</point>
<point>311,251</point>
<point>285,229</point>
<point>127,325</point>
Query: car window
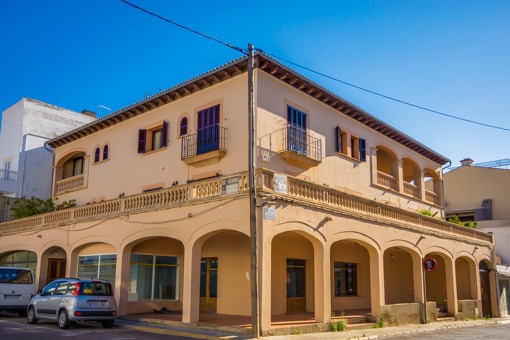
<point>96,288</point>
<point>71,288</point>
<point>14,275</point>
<point>50,288</point>
<point>61,288</point>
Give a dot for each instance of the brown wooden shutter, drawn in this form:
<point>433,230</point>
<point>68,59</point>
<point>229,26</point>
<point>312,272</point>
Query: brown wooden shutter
<point>142,137</point>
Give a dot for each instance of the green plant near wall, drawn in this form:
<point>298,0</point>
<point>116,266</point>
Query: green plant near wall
<point>427,212</point>
<point>455,219</point>
<point>380,322</point>
<point>339,325</point>
<point>24,207</point>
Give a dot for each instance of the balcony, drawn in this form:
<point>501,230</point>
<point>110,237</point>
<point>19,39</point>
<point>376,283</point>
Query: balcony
<point>8,181</point>
<point>204,147</point>
<point>300,148</point>
<point>70,184</point>
<point>411,190</point>
<point>386,181</point>
<point>297,191</point>
<point>432,197</point>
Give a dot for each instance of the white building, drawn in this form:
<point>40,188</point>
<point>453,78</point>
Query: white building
<point>26,166</point>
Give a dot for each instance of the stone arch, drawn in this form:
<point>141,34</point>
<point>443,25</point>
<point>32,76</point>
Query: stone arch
<point>465,273</point>
<point>387,167</point>
<point>440,282</point>
<point>53,263</point>
<point>355,262</point>
<point>402,273</point>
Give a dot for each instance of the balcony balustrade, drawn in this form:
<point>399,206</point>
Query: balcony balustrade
<point>206,144</point>
<point>300,147</point>
<point>70,184</point>
<point>387,181</point>
<point>411,190</point>
<point>8,181</point>
<point>432,197</point>
<point>298,191</point>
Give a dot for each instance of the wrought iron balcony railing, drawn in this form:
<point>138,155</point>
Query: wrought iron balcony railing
<point>302,143</point>
<point>205,140</point>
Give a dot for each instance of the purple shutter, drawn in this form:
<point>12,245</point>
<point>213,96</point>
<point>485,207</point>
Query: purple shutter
<point>142,137</point>
<point>164,134</point>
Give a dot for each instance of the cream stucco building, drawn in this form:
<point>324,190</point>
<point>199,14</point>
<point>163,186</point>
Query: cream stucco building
<point>482,194</point>
<point>163,211</point>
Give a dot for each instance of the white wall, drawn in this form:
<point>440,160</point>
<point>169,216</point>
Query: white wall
<point>26,126</point>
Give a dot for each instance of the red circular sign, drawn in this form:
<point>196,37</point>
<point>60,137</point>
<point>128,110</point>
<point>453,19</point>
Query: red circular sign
<point>429,264</point>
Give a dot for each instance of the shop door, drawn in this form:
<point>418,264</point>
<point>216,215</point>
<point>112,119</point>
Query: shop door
<point>208,284</point>
<point>296,278</point>
<point>56,269</point>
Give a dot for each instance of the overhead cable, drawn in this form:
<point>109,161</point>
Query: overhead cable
<point>383,95</point>
<point>243,51</point>
<point>184,27</point>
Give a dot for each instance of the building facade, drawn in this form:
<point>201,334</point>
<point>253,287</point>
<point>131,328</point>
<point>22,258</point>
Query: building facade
<point>162,188</point>
<point>25,161</point>
<point>482,194</point>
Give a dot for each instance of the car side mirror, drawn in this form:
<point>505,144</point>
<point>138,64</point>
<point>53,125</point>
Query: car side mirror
<point>40,292</point>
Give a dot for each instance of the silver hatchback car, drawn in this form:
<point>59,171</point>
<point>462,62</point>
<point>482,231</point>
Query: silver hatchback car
<point>70,300</point>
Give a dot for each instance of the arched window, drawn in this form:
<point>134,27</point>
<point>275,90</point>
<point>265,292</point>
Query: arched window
<point>183,127</point>
<point>97,155</point>
<point>105,152</point>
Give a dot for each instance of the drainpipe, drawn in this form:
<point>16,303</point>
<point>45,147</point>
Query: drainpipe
<point>443,211</point>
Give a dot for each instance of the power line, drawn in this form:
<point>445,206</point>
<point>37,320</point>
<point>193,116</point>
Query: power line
<point>383,95</point>
<point>316,72</point>
<point>185,27</point>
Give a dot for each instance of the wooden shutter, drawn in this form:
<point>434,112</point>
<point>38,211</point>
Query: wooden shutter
<point>362,150</point>
<point>338,139</point>
<point>142,138</point>
<point>164,134</point>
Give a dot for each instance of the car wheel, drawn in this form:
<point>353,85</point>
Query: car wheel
<point>31,319</point>
<point>108,323</point>
<point>63,319</point>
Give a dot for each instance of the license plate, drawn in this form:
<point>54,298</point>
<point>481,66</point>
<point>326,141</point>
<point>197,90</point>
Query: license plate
<point>97,304</point>
<point>12,297</point>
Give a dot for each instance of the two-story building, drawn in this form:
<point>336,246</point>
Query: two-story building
<point>25,161</point>
<point>163,211</point>
<point>481,193</point>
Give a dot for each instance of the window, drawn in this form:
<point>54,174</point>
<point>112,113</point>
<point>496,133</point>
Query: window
<point>105,152</point>
<point>346,279</point>
<point>97,155</point>
<point>341,141</point>
<point>97,267</point>
<point>154,277</point>
<point>77,166</point>
<point>183,126</point>
<point>152,139</point>
<point>296,131</point>
<point>208,129</point>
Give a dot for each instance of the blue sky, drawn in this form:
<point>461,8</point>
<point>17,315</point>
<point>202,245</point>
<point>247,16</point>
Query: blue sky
<point>449,56</point>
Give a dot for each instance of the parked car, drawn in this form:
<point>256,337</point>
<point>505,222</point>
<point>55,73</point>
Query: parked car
<point>16,289</point>
<point>70,300</point>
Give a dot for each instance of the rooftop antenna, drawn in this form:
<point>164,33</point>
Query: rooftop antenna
<point>99,109</point>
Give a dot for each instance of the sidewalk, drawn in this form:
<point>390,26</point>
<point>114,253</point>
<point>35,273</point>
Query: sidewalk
<point>161,327</point>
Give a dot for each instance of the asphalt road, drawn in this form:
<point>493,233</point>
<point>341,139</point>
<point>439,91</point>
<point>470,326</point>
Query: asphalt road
<point>15,327</point>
